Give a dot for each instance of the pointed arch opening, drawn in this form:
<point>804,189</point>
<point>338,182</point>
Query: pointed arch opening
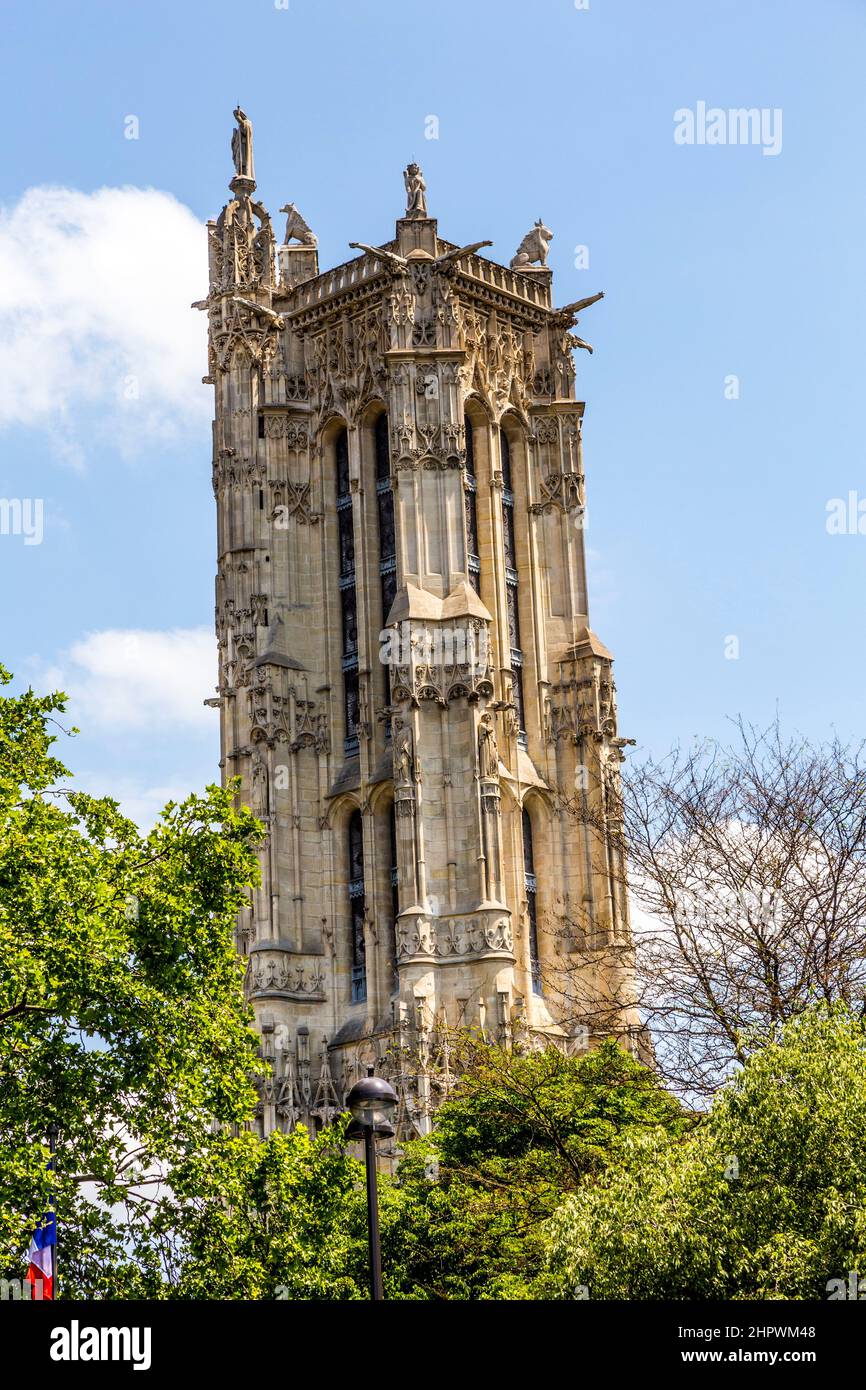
<point>473,553</point>
<point>530,885</point>
<point>357,910</point>
<point>512,596</point>
<point>387,533</point>
<point>348,591</point>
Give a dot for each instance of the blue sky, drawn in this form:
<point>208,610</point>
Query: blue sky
<point>707,514</point>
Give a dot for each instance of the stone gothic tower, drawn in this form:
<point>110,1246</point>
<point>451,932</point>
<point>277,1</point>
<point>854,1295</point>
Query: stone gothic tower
<point>409,688</point>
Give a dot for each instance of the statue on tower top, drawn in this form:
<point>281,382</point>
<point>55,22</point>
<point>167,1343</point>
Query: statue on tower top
<point>533,248</point>
<point>242,146</point>
<point>416,189</point>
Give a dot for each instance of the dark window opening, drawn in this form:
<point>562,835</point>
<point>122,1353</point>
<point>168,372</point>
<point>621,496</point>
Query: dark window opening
<point>519,703</point>
<point>350,623</point>
<point>505,456</point>
<point>347,536</point>
<point>395,900</point>
<point>348,594</point>
<point>387,536</point>
<point>471,502</point>
<point>511,587</point>
<point>357,903</point>
<point>383,454</point>
<point>351,705</point>
<point>341,449</point>
<point>531,888</point>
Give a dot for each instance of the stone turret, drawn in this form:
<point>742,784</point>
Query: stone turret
<point>409,687</point>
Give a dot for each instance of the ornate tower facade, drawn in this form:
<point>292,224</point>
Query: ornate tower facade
<point>409,688</point>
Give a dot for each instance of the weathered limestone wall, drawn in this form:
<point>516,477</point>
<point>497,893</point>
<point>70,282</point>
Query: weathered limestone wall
<point>352,685</point>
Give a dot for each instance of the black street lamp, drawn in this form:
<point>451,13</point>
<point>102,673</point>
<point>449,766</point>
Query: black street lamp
<point>372,1102</point>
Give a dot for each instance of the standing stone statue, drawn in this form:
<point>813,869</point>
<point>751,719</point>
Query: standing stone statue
<point>404,762</point>
<point>488,753</point>
<point>416,189</point>
<point>259,779</point>
<point>242,145</point>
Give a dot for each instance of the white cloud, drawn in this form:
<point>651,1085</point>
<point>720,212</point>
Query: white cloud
<point>95,290</point>
<point>121,679</point>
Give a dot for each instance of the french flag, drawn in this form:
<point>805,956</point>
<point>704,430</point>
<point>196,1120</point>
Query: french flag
<point>41,1271</point>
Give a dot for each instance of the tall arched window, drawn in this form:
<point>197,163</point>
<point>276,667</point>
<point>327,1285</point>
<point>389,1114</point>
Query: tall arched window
<point>471,496</point>
<point>357,950</point>
<point>511,596</point>
<point>348,593</point>
<point>395,899</point>
<point>385,503</point>
<point>387,539</point>
<point>531,889</point>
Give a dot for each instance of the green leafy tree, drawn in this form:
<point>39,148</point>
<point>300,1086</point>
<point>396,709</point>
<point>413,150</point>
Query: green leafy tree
<point>241,1218</point>
<point>766,1198</point>
<point>122,1016</point>
<point>462,1219</point>
<point>519,1131</point>
<point>280,1219</point>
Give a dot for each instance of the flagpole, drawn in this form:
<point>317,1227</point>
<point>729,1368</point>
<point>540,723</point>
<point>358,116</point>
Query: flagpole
<point>53,1131</point>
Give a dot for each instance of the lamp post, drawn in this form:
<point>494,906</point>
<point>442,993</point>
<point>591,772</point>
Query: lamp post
<point>372,1102</point>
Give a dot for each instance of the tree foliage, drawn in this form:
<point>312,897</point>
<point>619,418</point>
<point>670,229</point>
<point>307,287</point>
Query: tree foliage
<point>240,1218</point>
<point>122,1016</point>
<point>122,1019</point>
<point>519,1131</point>
<point>766,1198</point>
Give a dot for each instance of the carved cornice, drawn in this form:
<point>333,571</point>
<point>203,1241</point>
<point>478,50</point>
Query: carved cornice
<point>442,663</point>
<point>454,938</point>
<point>276,972</point>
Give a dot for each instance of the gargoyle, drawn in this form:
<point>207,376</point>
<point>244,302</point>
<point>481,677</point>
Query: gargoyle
<point>565,319</point>
<point>459,251</point>
<point>389,257</point>
<point>276,319</point>
<point>571,311</point>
